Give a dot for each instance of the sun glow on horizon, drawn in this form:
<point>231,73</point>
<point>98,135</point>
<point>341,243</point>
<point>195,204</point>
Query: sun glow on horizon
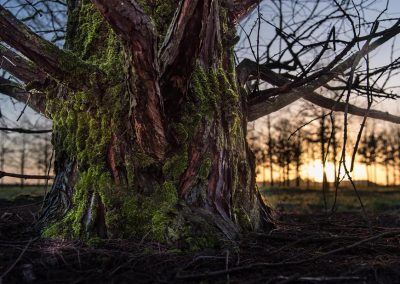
<point>314,170</point>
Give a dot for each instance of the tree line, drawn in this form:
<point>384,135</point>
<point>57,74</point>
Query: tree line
<point>24,153</point>
<point>283,146</point>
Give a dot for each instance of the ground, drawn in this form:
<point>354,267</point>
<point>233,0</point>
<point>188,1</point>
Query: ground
<point>307,246</point>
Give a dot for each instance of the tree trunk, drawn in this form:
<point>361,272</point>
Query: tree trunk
<point>271,162</point>
<point>287,173</point>
<point>297,175</point>
<point>298,157</point>
<point>264,183</point>
<point>150,156</point>
<point>335,147</point>
<point>387,174</point>
<point>23,160</point>
<point>2,155</point>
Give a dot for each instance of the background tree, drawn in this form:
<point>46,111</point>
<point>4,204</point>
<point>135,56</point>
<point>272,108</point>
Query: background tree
<point>43,152</point>
<point>297,146</point>
<point>365,156</point>
<point>321,137</point>
<point>334,145</point>
<point>22,159</point>
<point>397,145</point>
<point>256,140</point>
<point>373,154</point>
<point>270,147</point>
<point>383,155</point>
<point>393,155</point>
<point>4,148</point>
<point>284,149</point>
<point>391,158</point>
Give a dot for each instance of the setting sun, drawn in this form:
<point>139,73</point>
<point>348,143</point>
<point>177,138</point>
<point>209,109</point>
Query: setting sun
<point>314,171</point>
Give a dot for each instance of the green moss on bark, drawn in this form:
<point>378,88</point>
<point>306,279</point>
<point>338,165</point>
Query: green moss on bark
<point>162,12</point>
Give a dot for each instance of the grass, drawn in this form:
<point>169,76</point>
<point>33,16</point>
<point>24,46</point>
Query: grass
<point>281,199</point>
<point>309,201</point>
<point>12,192</point>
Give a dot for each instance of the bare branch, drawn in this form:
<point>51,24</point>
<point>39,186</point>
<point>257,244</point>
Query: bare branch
<point>267,107</point>
<point>35,101</point>
<point>257,109</point>
<point>60,64</point>
<point>330,72</point>
<point>13,90</point>
<point>316,80</point>
<point>351,109</point>
<point>5,174</point>
<point>264,108</point>
<point>27,131</point>
<point>20,67</point>
<point>242,8</point>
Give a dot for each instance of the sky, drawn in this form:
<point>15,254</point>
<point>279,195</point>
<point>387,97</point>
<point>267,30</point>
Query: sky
<point>377,58</point>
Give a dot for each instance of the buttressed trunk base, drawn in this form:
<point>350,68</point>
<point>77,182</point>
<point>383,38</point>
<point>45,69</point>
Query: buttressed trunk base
<point>157,155</point>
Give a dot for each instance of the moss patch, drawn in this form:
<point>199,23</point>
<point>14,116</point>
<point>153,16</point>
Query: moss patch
<point>162,12</point>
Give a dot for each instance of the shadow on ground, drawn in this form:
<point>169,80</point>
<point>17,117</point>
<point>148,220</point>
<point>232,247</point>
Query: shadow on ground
<point>304,248</point>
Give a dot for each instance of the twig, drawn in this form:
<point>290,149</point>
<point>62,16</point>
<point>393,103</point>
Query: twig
<point>5,174</point>
<point>27,131</point>
<point>288,279</point>
<point>25,106</point>
<point>283,263</point>
<point>321,279</point>
<point>16,261</point>
<point>21,206</point>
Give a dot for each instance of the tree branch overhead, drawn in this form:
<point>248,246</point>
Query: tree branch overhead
<point>242,8</point>
<point>20,67</point>
<point>62,65</point>
<point>259,108</point>
<point>13,90</point>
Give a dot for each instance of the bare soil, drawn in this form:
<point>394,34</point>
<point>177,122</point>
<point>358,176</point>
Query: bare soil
<point>345,247</point>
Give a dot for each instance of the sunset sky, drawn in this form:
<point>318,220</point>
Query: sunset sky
<point>313,170</point>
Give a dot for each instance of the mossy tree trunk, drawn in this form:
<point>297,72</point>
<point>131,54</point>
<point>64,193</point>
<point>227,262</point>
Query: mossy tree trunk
<point>150,116</point>
<point>157,149</point>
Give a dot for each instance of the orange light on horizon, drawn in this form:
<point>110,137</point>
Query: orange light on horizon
<point>313,170</point>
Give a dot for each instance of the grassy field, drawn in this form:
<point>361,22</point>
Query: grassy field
<point>281,199</point>
<point>11,192</point>
<point>309,201</point>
